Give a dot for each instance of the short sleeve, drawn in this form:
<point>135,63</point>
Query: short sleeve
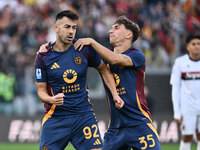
<point>40,73</point>
<point>94,58</point>
<point>176,74</point>
<point>137,58</point>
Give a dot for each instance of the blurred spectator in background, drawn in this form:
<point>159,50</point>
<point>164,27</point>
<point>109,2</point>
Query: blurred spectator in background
<point>193,18</point>
<point>149,99</point>
<point>7,89</point>
<point>26,24</point>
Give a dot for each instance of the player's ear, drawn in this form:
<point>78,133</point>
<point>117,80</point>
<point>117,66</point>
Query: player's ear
<point>187,47</point>
<point>56,28</point>
<point>129,34</point>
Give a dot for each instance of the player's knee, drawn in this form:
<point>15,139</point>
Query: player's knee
<point>187,138</point>
<point>96,149</point>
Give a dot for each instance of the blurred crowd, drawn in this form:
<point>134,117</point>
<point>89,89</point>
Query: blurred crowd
<point>26,24</point>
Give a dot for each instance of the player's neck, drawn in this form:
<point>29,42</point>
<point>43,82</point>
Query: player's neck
<point>58,46</point>
<point>194,57</point>
<point>121,48</point>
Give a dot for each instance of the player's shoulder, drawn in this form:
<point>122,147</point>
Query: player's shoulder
<point>85,49</point>
<point>136,53</point>
<point>182,58</point>
<point>49,50</point>
<point>42,55</point>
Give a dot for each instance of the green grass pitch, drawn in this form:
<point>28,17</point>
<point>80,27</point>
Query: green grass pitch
<point>17,146</point>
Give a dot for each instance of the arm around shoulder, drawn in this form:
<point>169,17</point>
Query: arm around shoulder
<point>110,56</point>
<point>106,54</point>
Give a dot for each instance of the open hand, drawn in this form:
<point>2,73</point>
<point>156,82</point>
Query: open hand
<point>82,42</point>
<point>43,47</point>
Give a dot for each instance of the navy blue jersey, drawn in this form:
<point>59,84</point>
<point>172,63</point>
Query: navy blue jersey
<point>130,86</point>
<point>65,72</point>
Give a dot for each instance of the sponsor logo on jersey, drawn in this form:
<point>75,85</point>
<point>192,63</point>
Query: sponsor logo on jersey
<point>71,88</point>
<point>117,79</point>
<point>78,60</point>
<point>55,65</point>
<point>190,75</point>
<point>120,90</point>
<point>45,148</point>
<point>38,74</point>
<point>70,76</point>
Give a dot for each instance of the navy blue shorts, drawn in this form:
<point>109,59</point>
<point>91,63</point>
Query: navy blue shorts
<point>82,131</point>
<point>140,137</point>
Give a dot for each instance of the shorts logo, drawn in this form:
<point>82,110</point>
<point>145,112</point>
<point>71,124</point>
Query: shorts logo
<point>70,76</point>
<point>97,142</point>
<point>117,79</point>
<point>45,148</point>
<point>38,74</point>
<point>78,60</point>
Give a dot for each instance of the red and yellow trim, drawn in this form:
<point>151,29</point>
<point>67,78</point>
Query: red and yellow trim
<point>50,112</point>
<point>140,107</point>
<point>153,129</point>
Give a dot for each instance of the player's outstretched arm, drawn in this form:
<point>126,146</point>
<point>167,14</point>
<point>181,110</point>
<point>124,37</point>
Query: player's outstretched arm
<point>109,81</point>
<point>44,96</point>
<point>106,54</point>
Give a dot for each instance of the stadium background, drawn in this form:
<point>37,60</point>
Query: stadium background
<point>26,24</point>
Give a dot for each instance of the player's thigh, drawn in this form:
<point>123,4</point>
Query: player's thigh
<point>189,124</point>
<point>55,133</point>
<point>115,139</point>
<point>143,137</point>
<point>86,133</point>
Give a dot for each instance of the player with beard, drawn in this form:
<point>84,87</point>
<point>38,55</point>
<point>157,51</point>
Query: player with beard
<point>60,78</point>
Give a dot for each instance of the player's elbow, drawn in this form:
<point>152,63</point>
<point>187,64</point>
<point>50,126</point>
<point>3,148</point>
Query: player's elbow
<point>115,61</point>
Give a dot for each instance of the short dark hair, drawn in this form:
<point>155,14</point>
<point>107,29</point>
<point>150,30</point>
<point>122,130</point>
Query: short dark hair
<point>190,37</point>
<point>130,25</point>
<point>67,13</point>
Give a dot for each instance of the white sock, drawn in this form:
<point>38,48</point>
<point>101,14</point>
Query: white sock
<point>198,145</point>
<point>185,145</point>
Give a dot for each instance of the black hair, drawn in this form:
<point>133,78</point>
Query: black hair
<point>190,37</point>
<point>130,25</point>
<point>67,13</point>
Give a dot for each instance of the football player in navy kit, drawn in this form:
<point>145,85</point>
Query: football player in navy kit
<point>60,78</point>
<point>131,126</point>
<point>185,81</point>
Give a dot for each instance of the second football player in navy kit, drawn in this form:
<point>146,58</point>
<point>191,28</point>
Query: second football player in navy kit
<point>131,126</point>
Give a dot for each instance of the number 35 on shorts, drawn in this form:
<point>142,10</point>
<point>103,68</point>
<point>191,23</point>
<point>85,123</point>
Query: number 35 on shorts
<point>147,141</point>
<point>88,131</point>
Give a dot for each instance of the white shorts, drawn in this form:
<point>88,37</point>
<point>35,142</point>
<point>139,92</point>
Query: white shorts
<point>190,124</point>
